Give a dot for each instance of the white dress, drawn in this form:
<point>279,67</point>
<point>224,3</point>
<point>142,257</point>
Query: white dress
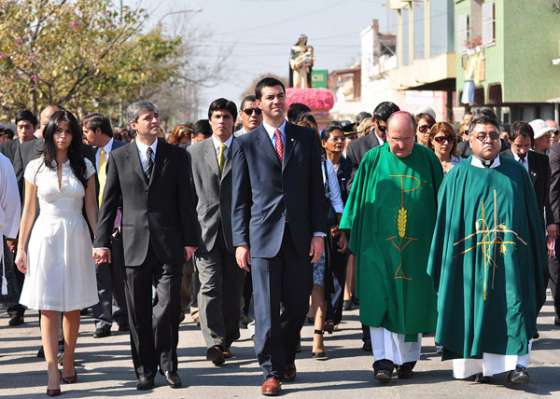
<point>60,271</point>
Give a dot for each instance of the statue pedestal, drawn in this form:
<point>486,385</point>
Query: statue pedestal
<point>320,101</point>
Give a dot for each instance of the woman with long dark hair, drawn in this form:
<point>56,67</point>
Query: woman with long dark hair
<point>59,271</point>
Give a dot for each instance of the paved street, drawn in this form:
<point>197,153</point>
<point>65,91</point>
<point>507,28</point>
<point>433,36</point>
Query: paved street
<point>104,368</point>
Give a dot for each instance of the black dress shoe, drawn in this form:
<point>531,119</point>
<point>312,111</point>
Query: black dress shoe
<point>102,332</point>
<point>145,383</point>
<point>405,371</point>
<point>383,370</point>
<point>16,320</point>
<point>481,379</point>
<point>518,376</point>
<point>173,379</point>
<point>216,355</point>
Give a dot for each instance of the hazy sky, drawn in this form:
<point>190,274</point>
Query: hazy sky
<point>258,34</point>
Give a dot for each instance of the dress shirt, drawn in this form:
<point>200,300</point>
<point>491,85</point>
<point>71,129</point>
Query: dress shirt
<point>334,188</point>
<point>217,143</point>
<point>525,161</point>
<point>476,162</point>
<point>379,139</point>
<point>107,148</point>
<point>142,151</point>
<point>271,129</point>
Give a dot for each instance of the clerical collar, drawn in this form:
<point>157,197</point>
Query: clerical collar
<point>479,163</point>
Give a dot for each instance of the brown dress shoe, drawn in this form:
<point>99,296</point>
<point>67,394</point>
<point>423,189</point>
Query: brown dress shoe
<point>290,373</point>
<point>271,387</point>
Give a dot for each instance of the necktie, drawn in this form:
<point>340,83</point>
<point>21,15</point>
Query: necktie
<point>278,145</point>
<point>102,173</point>
<point>221,157</point>
<point>150,164</point>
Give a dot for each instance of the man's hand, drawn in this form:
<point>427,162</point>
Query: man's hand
<point>243,257</point>
<point>316,249</point>
<point>101,255</point>
<point>189,252</point>
<point>342,242</point>
<point>12,245</point>
<point>552,231</point>
<point>21,261</point>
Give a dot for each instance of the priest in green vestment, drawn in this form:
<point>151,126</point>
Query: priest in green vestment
<point>391,213</point>
<point>487,260</point>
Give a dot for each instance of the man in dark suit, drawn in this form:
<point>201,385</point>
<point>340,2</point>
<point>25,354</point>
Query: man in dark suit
<point>554,261</point>
<point>149,179</point>
<point>521,140</point>
<point>278,222</point>
<point>110,278</point>
<point>358,148</point>
<point>221,281</point>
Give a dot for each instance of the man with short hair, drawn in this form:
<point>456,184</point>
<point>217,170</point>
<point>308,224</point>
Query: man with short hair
<point>487,260</point>
<point>250,115</point>
<point>278,222</point>
<point>110,277</point>
<point>202,131</point>
<point>390,215</point>
<point>221,281</point>
<point>26,123</point>
<point>150,179</point>
<point>295,110</point>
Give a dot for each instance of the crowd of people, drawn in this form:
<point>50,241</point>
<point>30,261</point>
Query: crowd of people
<point>259,218</point>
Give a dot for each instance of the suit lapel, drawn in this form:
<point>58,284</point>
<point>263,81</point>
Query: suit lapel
<point>227,164</point>
<point>211,157</point>
<point>291,143</point>
<point>265,144</point>
<point>134,158</point>
<point>160,159</point>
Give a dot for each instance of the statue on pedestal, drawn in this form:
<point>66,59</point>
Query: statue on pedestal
<point>301,64</point>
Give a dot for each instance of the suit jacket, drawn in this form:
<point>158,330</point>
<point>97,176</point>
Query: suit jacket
<point>539,172</point>
<point>270,196</point>
<point>9,149</point>
<point>158,213</point>
<point>213,194</point>
<point>343,174</point>
<point>92,155</point>
<point>554,197</point>
<point>358,148</point>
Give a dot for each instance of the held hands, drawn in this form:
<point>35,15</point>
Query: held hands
<point>189,252</point>
<point>243,257</point>
<point>316,249</point>
<point>101,255</point>
<point>12,245</point>
<point>21,261</point>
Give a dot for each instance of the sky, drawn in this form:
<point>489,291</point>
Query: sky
<point>256,35</point>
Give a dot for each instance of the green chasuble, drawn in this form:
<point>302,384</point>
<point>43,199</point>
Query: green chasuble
<point>391,213</point>
<point>487,260</point>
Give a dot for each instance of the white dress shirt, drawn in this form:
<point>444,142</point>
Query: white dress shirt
<point>334,188</point>
<point>142,151</point>
<point>524,162</point>
<point>217,143</point>
<point>107,148</point>
<point>271,129</point>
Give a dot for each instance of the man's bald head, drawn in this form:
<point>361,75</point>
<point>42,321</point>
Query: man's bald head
<point>45,116</point>
<point>401,131</point>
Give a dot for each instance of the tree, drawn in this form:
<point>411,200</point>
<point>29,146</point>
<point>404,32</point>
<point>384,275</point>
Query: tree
<point>82,54</point>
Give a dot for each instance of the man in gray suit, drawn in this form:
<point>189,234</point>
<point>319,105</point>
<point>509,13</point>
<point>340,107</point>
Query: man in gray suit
<point>221,281</point>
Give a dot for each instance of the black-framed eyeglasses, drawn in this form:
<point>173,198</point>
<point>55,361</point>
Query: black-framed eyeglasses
<point>249,111</point>
<point>493,136</point>
<point>442,139</point>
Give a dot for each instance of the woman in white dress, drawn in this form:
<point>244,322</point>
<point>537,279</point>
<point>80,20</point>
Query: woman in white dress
<point>59,270</point>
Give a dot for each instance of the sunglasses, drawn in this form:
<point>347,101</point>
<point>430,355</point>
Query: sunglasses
<point>423,128</point>
<point>492,136</point>
<point>382,129</point>
<point>249,111</point>
<point>442,139</point>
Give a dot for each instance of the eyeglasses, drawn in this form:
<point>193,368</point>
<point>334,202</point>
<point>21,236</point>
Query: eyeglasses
<point>441,139</point>
<point>423,128</point>
<point>492,136</point>
<point>336,138</point>
<point>249,111</point>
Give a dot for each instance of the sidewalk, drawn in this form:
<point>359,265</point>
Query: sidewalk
<point>104,368</point>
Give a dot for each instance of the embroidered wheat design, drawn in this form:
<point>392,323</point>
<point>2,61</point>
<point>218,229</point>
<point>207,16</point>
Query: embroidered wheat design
<point>401,222</point>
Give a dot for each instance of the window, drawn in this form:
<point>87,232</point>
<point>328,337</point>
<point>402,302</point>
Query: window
<point>488,23</point>
<point>463,32</point>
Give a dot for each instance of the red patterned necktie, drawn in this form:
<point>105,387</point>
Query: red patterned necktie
<point>278,145</point>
